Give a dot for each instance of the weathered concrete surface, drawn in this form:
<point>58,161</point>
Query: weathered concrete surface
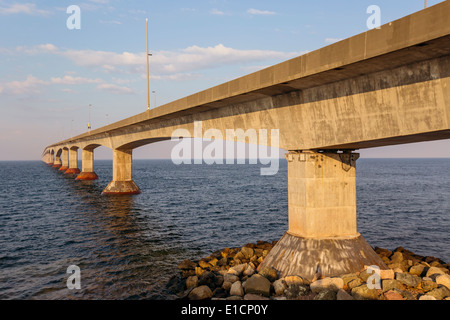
<point>330,257</point>
<point>322,189</point>
<point>87,172</point>
<point>122,182</point>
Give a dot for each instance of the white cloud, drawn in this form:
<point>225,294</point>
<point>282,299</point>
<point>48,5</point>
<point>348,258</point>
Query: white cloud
<point>260,12</point>
<point>26,8</point>
<point>30,85</point>
<point>217,12</point>
<point>69,80</point>
<point>188,60</point>
<point>113,88</point>
<point>332,40</point>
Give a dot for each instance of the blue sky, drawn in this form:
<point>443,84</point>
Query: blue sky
<point>49,74</point>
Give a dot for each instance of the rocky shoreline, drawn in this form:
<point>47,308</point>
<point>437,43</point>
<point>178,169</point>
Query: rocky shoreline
<point>233,274</point>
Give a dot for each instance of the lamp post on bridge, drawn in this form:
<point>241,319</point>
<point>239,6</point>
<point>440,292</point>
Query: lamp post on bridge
<point>89,122</point>
<point>148,75</point>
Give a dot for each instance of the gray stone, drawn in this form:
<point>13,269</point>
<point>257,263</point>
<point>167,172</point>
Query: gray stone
<point>364,293</point>
<point>343,295</point>
<point>434,270</point>
<point>200,293</point>
<point>439,293</point>
<point>417,269</point>
<point>187,265</point>
<point>407,279</point>
<point>443,279</point>
<point>390,284</point>
<point>326,295</point>
<point>279,286</point>
<point>236,289</point>
<point>228,277</point>
<point>290,280</point>
<point>249,270</point>
<point>296,290</point>
<point>191,282</point>
<point>257,284</point>
<point>396,257</point>
<point>247,252</point>
<point>253,296</point>
<point>427,297</point>
<point>327,284</point>
<point>270,273</point>
<point>238,269</point>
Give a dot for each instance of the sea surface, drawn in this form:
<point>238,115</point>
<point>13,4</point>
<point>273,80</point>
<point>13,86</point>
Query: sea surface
<point>128,247</point>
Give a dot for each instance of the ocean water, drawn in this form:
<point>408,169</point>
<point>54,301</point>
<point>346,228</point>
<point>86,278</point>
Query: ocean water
<point>128,247</point>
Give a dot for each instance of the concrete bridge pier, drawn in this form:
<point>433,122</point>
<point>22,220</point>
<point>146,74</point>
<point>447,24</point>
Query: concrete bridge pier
<point>87,163</point>
<point>122,182</point>
<point>322,236</point>
<point>73,162</point>
<point>65,160</point>
<point>57,162</point>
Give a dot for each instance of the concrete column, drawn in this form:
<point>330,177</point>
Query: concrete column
<point>51,159</point>
<point>87,173</point>
<point>73,162</point>
<point>122,182</point>
<point>65,160</point>
<point>57,162</point>
<point>322,235</point>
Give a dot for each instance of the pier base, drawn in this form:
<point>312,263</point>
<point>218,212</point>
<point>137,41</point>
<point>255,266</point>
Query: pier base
<point>72,171</point>
<point>294,255</point>
<point>63,168</point>
<point>121,188</point>
<point>87,176</point>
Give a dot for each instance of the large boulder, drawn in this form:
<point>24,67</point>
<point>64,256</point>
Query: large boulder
<point>257,284</point>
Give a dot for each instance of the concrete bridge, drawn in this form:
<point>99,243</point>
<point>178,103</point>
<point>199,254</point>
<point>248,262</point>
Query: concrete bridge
<point>383,87</point>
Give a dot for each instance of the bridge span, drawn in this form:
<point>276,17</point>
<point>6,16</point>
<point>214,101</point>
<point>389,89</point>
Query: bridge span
<point>382,87</point>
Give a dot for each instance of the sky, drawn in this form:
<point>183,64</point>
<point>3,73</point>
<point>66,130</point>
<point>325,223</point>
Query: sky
<point>53,78</point>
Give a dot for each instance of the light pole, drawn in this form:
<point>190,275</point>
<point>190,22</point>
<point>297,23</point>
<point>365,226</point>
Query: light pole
<point>89,123</point>
<point>148,76</point>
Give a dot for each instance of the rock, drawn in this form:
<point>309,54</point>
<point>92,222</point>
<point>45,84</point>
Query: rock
<point>443,279</point>
<point>392,295</point>
<point>187,265</point>
<point>199,271</point>
<point>343,295</point>
<point>427,297</point>
<point>428,285</point>
<point>238,269</point>
<point>407,279</point>
<point>239,256</point>
<point>364,293</point>
<point>387,274</point>
<point>326,294</point>
<point>236,289</point>
<point>354,283</point>
<point>220,293</point>
<point>247,252</point>
<point>279,286</point>
<point>417,269</point>
<point>257,284</point>
<point>227,285</point>
<point>296,290</point>
<point>439,293</point>
<point>203,264</point>
<point>228,277</point>
<point>434,270</point>
<point>396,257</point>
<point>291,280</point>
<point>390,284</point>
<point>349,277</point>
<point>253,296</point>
<point>250,270</point>
<point>270,273</point>
<point>200,293</point>
<point>207,278</point>
<point>327,284</point>
<point>176,284</point>
<point>191,282</point>
<point>233,298</point>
